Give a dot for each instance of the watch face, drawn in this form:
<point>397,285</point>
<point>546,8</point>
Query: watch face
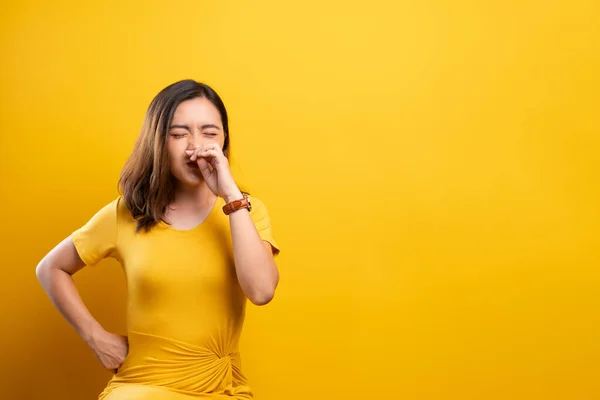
<point>249,204</point>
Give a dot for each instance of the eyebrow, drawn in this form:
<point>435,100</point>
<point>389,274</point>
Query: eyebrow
<point>186,127</point>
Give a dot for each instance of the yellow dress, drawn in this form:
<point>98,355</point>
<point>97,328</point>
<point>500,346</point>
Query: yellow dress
<point>185,308</point>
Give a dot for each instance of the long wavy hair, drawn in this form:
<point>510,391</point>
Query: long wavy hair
<point>146,183</point>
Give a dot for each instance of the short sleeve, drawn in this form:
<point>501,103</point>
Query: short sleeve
<point>97,239</point>
<point>262,222</point>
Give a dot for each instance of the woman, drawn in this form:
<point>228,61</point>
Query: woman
<point>193,248</point>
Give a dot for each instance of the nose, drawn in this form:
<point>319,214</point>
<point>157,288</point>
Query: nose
<point>193,141</point>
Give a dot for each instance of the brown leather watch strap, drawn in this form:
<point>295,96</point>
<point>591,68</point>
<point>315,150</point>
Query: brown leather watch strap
<point>236,205</point>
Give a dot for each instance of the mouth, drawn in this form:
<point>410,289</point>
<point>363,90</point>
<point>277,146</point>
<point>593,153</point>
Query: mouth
<point>192,164</point>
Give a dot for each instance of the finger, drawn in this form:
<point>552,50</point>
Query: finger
<point>194,153</point>
<point>212,146</point>
<point>197,152</point>
<point>110,368</point>
<point>218,149</point>
<point>211,156</point>
<point>206,146</point>
<point>205,169</point>
<point>208,153</point>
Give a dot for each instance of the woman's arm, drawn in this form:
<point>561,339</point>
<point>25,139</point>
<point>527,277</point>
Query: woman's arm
<point>254,263</point>
<point>54,273</point>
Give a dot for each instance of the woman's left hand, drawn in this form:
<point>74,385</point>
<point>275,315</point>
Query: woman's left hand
<point>214,167</point>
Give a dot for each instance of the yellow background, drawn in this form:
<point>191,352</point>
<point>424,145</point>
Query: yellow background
<point>430,169</point>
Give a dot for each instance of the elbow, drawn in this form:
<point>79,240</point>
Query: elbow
<point>263,291</point>
<point>43,271</point>
<point>261,298</point>
<point>40,270</point>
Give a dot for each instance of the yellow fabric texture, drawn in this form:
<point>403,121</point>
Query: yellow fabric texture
<point>185,308</point>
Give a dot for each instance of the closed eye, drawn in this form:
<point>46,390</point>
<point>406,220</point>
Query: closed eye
<point>178,135</point>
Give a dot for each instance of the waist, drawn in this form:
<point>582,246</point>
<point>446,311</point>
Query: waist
<point>188,368</point>
<point>199,328</point>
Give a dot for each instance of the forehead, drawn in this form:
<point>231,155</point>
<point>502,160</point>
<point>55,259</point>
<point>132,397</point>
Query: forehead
<point>197,110</point>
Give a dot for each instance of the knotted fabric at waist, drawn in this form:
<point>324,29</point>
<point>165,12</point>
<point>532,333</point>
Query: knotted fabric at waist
<point>181,367</point>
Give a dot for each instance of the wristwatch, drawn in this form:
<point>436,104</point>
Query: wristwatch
<point>237,205</point>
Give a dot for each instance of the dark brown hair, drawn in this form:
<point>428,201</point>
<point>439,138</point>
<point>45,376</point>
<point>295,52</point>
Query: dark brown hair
<point>146,183</point>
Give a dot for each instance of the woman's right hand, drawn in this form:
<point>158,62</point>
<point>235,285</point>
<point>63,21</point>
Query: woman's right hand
<point>109,348</point>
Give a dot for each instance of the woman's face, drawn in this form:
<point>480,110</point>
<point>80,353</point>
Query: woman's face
<point>196,122</point>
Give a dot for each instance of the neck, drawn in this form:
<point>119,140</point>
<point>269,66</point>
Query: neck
<point>193,196</point>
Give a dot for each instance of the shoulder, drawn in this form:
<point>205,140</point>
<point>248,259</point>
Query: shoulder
<point>258,206</point>
<point>123,213</point>
<point>116,206</point>
<point>255,201</point>
<point>262,221</point>
<point>120,205</point>
<point>115,210</point>
<point>259,212</point>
